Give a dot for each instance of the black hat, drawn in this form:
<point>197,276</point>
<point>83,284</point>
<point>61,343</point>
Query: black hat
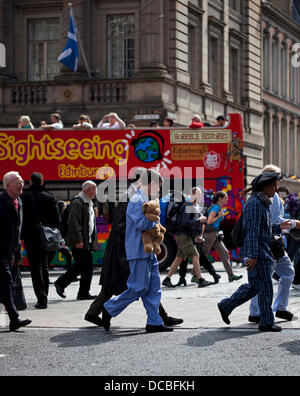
<point>265,179</point>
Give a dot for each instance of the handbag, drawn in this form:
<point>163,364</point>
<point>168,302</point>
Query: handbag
<point>277,246</point>
<point>50,237</point>
<point>17,289</point>
<point>295,234</point>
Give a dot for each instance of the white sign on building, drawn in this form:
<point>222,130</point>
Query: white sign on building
<point>2,55</point>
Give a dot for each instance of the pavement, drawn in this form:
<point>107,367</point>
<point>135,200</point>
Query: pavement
<point>197,306</point>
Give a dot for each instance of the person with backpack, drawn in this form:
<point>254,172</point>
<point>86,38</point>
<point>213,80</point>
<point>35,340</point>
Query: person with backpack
<point>215,215</point>
<point>40,207</point>
<point>189,226</point>
<point>82,239</point>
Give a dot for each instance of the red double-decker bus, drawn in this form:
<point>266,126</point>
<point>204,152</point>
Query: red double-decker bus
<point>185,155</point>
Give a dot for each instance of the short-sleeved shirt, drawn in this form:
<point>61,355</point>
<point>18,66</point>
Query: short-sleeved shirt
<point>57,125</point>
<point>216,208</point>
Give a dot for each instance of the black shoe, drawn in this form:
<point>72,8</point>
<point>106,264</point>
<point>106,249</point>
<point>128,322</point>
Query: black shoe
<point>40,306</point>
<point>274,328</point>
<point>217,278</point>
<point>157,329</point>
<point>94,319</point>
<point>15,325</point>
<point>276,277</point>
<point>286,315</point>
<point>224,315</point>
<point>203,283</point>
<point>106,317</point>
<point>182,281</point>
<point>167,282</point>
<point>59,290</point>
<point>254,319</point>
<point>169,321</point>
<point>86,297</point>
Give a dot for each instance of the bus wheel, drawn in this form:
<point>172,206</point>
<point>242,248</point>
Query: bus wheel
<point>168,252</point>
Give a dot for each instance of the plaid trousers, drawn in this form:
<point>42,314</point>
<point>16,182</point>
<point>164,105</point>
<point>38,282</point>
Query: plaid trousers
<point>260,284</point>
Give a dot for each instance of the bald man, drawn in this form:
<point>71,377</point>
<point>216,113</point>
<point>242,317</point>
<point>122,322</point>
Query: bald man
<point>11,215</point>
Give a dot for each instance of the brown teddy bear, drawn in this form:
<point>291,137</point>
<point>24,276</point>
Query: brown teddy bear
<point>152,239</point>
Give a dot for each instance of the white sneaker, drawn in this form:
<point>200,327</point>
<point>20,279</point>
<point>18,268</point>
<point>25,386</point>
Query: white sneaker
<point>297,287</point>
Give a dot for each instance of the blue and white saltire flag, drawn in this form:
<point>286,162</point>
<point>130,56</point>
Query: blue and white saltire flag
<point>69,56</point>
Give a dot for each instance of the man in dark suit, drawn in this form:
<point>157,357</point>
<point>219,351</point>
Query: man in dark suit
<point>39,206</point>
<point>11,215</point>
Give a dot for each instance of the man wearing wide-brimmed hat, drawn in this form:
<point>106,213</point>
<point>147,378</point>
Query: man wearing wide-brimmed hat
<point>257,253</point>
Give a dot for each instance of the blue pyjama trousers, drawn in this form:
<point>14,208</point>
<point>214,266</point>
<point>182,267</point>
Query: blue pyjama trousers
<point>260,285</point>
<point>144,283</point>
<point>284,268</point>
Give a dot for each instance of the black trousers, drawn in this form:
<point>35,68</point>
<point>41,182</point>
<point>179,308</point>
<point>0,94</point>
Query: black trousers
<point>6,295</point>
<point>38,262</point>
<point>83,265</point>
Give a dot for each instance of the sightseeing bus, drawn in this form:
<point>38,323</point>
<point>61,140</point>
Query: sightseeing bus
<point>209,156</point>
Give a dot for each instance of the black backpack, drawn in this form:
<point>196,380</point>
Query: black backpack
<point>173,215</point>
<point>238,232</point>
<point>65,218</point>
<point>64,221</point>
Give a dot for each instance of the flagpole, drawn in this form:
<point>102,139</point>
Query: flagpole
<point>80,43</point>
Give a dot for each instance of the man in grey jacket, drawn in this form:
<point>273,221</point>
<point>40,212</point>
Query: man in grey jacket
<point>82,239</point>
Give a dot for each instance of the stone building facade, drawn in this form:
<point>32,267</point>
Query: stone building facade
<point>148,59</point>
<point>281,89</point>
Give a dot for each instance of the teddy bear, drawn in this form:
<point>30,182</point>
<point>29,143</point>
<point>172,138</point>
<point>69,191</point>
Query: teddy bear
<point>153,238</point>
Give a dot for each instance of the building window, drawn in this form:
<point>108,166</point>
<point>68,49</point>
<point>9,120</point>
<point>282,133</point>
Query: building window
<point>121,46</point>
<point>275,141</point>
<point>235,74</point>
<point>214,72</point>
<point>235,5</point>
<point>266,55</point>
<point>298,145</point>
<point>194,55</point>
<point>284,154</point>
<point>275,67</point>
<point>267,138</point>
<point>292,79</point>
<point>284,59</point>
<point>43,49</point>
<point>292,149</point>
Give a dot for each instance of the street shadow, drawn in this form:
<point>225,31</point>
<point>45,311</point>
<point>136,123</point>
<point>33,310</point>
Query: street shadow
<point>293,347</point>
<point>92,336</point>
<point>211,337</point>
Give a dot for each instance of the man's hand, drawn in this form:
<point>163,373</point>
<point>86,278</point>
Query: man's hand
<point>203,219</point>
<point>286,225</point>
<point>79,245</point>
<point>250,264</point>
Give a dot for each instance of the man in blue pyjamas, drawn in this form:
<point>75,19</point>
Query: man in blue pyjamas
<point>144,279</point>
<point>283,266</point>
<point>257,253</point>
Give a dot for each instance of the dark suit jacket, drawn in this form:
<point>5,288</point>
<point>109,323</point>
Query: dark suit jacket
<point>47,212</point>
<point>10,228</point>
<point>115,270</point>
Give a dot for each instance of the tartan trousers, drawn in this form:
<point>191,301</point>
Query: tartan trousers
<point>260,285</point>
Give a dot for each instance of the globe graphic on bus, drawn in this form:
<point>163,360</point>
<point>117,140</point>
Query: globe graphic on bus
<point>147,149</point>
